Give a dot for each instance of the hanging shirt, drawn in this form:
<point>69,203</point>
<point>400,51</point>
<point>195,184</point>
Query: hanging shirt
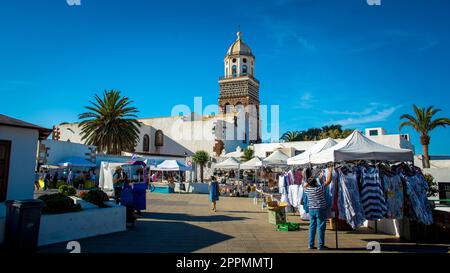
<point>298,177</point>
<point>393,192</point>
<point>349,203</point>
<point>416,188</point>
<point>372,196</point>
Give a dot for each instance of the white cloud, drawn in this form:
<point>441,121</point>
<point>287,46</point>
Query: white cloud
<point>307,101</point>
<point>368,115</point>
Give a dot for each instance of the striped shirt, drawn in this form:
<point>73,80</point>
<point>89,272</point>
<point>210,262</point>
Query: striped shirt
<point>316,197</point>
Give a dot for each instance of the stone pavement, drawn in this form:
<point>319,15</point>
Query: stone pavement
<point>183,223</point>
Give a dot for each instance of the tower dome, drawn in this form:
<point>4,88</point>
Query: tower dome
<point>239,47</point>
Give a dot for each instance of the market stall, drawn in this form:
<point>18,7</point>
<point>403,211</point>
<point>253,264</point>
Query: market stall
<point>170,166</point>
<point>304,158</point>
<point>373,182</point>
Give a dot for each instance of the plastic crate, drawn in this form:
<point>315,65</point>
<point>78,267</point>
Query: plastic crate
<point>289,226</point>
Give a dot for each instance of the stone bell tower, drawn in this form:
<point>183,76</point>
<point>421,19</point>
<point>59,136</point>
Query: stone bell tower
<point>239,89</point>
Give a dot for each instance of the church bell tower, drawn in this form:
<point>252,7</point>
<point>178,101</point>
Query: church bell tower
<point>239,89</point>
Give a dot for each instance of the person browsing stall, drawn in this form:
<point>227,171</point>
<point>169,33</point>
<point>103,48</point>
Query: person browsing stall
<point>317,207</point>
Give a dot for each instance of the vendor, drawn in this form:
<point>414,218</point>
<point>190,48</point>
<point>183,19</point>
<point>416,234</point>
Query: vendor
<point>119,179</point>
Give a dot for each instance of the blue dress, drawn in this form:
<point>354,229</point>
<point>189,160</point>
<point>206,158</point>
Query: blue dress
<point>214,191</point>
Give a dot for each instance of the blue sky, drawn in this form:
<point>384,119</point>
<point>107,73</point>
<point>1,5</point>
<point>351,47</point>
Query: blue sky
<point>321,61</point>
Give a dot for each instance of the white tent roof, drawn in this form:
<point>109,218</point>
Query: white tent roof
<point>171,165</point>
<point>76,162</point>
<point>277,158</point>
<point>303,158</point>
<point>233,154</point>
<point>358,147</point>
<point>229,163</point>
<point>252,164</point>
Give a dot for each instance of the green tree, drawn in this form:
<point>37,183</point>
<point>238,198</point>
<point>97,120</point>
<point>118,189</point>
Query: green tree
<point>423,123</point>
<point>201,158</point>
<point>110,124</point>
<point>247,154</point>
<point>433,188</point>
<point>290,136</point>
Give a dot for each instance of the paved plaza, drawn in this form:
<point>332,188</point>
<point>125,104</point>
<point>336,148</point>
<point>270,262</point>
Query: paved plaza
<point>183,223</point>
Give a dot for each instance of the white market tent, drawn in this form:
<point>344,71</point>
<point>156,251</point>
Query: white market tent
<point>229,163</point>
<point>237,154</point>
<point>304,157</point>
<point>358,147</point>
<point>77,162</point>
<point>171,165</point>
<point>252,164</point>
<point>276,159</point>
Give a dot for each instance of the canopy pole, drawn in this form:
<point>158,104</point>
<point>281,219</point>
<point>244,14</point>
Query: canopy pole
<point>336,211</point>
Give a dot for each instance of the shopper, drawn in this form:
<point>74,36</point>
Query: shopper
<point>70,177</point>
<point>47,178</point>
<point>119,179</point>
<point>317,206</point>
<point>213,192</point>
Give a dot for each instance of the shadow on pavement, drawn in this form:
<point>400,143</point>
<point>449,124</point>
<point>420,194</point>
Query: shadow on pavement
<point>148,237</point>
<point>190,218</point>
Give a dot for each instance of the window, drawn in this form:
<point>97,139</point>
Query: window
<point>234,60</point>
<point>159,138</point>
<point>234,71</point>
<point>5,151</point>
<point>268,153</point>
<point>146,144</point>
<point>244,70</point>
<point>245,60</point>
<point>373,132</point>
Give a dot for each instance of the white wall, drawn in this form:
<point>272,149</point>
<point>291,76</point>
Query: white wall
<point>61,150</point>
<point>22,164</point>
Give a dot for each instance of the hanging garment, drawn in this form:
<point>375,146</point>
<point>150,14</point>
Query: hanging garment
<point>329,193</point>
<point>416,188</point>
<point>298,177</point>
<point>294,196</point>
<point>372,195</point>
<point>349,203</point>
<point>393,192</point>
<point>283,188</point>
<point>304,215</point>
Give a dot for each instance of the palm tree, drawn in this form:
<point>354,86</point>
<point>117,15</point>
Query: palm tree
<point>110,124</point>
<point>423,123</point>
<point>201,158</point>
<point>247,154</point>
<point>290,136</point>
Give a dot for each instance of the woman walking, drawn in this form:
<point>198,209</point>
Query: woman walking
<point>213,193</point>
<point>317,206</point>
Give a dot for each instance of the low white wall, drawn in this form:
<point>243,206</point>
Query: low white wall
<point>387,226</point>
<point>77,225</point>
<point>193,187</point>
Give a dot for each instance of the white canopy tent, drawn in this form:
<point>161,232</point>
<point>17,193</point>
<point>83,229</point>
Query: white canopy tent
<point>276,159</point>
<point>229,163</point>
<point>76,162</point>
<point>237,154</point>
<point>358,147</point>
<point>252,164</point>
<point>304,158</point>
<point>171,165</point>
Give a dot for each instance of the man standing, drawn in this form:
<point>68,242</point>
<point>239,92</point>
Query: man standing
<point>317,205</point>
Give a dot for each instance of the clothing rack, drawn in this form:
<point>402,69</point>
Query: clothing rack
<point>336,191</point>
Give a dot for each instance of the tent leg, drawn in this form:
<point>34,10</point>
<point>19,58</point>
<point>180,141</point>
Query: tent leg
<point>336,229</point>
